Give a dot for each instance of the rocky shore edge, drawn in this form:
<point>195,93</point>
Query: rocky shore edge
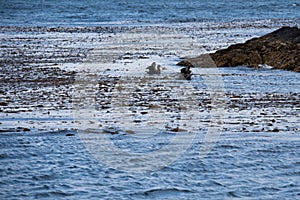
<point>279,50</point>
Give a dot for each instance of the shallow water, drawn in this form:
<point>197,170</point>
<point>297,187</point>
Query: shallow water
<point>250,160</point>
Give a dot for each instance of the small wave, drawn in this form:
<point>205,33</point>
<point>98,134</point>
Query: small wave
<point>264,66</point>
<point>53,194</point>
<point>43,177</point>
<point>187,20</point>
<point>272,151</point>
<point>60,193</point>
<point>233,194</point>
<point>228,146</point>
<point>3,156</point>
<point>159,192</point>
<point>269,189</point>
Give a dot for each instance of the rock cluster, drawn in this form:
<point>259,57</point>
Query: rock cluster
<point>279,49</point>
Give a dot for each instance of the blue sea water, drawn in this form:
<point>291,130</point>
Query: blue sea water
<point>91,12</point>
<point>243,164</point>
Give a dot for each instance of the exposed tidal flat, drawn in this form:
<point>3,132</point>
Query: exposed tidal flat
<point>63,88</point>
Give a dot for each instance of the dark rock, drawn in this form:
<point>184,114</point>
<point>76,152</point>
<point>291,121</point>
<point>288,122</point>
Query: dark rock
<point>185,63</point>
<point>203,60</point>
<point>275,130</point>
<point>129,132</point>
<point>177,129</point>
<point>279,49</point>
<point>26,129</point>
<point>3,103</point>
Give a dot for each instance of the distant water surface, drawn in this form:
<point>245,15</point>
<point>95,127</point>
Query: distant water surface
<point>90,12</point>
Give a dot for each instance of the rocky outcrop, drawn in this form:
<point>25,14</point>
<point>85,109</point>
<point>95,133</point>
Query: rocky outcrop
<point>279,49</point>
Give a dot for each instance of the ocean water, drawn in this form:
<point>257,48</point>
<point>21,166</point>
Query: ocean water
<point>255,157</point>
<point>90,12</point>
<point>241,166</point>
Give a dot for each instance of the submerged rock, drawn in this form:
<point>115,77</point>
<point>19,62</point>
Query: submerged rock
<point>279,49</point>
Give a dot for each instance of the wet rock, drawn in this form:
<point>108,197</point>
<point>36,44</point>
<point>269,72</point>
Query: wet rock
<point>276,130</point>
<point>177,129</point>
<point>111,130</point>
<point>279,49</point>
<point>203,60</point>
<point>185,63</point>
<point>130,132</point>
<point>3,103</point>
